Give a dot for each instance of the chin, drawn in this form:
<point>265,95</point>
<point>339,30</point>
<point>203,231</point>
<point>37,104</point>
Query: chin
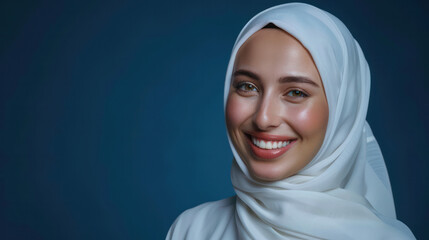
<point>268,171</point>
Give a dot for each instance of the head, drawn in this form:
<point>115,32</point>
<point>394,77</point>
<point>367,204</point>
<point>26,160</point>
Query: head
<point>276,111</point>
<point>306,84</point>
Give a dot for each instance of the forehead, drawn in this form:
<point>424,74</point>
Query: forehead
<point>268,40</point>
<point>275,51</point>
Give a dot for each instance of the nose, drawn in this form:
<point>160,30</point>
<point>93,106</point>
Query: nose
<point>268,113</point>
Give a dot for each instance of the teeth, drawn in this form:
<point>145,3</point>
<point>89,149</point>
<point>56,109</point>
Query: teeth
<point>269,144</point>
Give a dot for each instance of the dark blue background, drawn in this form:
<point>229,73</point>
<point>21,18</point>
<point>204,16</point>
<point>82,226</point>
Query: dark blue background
<point>112,116</point>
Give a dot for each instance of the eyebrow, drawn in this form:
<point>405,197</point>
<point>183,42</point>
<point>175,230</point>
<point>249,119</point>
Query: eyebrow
<point>287,79</point>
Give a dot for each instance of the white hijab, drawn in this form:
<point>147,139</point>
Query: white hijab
<point>344,192</point>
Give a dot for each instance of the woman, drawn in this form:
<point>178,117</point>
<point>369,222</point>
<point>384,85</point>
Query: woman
<point>306,164</point>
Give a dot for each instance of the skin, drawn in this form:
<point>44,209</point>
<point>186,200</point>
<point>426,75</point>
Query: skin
<point>263,103</point>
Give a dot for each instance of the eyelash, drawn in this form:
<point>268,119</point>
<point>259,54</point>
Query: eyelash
<point>301,94</point>
<point>240,85</point>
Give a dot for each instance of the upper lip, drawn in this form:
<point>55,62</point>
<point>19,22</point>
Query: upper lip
<point>269,137</point>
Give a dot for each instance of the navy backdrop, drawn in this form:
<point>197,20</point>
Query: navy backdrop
<point>112,115</point>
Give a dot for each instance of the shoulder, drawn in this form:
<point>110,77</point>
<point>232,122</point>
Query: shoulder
<point>207,218</point>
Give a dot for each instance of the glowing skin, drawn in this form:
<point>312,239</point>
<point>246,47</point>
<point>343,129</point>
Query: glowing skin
<point>276,94</point>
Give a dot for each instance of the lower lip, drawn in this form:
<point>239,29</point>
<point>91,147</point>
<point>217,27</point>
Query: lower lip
<point>269,153</point>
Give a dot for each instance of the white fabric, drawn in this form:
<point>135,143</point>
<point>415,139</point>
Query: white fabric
<point>344,192</point>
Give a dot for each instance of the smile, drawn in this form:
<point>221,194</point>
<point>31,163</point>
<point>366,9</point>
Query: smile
<point>266,146</point>
<point>269,144</point>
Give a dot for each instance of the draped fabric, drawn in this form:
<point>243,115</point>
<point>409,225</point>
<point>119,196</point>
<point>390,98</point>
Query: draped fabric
<point>344,192</point>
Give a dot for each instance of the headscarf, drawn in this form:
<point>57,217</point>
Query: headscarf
<point>344,192</point>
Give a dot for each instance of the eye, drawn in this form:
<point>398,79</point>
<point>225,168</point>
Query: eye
<point>296,93</point>
<point>246,87</point>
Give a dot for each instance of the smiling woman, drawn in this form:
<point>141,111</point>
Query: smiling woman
<point>306,164</point>
<point>277,111</point>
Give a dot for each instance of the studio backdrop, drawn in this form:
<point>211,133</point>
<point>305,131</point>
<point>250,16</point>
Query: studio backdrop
<point>111,112</point>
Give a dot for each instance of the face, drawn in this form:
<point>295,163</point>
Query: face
<point>277,112</point>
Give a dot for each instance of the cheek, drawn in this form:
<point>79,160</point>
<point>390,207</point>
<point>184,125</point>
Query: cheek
<point>238,109</point>
<point>310,119</point>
